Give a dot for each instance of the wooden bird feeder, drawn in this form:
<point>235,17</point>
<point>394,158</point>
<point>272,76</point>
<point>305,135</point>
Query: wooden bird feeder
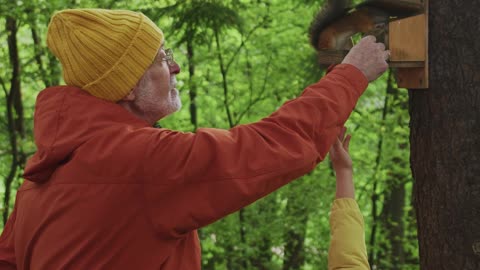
<point>407,40</point>
<point>408,44</point>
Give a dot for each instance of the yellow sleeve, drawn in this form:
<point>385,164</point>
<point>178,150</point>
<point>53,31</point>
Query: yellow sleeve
<point>347,246</point>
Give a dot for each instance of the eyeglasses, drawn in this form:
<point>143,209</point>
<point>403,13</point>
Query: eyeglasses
<point>169,57</point>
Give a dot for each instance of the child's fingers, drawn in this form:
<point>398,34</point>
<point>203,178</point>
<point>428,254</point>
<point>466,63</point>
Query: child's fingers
<point>337,145</point>
<point>341,136</point>
<point>346,142</point>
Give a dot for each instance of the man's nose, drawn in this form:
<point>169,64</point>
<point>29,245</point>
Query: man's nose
<point>175,68</point>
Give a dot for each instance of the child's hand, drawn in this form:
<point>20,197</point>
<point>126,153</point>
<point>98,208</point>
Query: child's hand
<point>339,153</point>
<point>342,164</point>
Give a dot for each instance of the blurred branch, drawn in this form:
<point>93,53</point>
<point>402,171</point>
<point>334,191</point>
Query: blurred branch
<point>13,103</point>
<point>375,196</point>
<point>224,68</point>
<point>242,44</point>
<point>38,54</point>
<point>223,71</point>
<point>250,105</point>
<point>111,4</point>
<point>260,96</point>
<point>4,87</point>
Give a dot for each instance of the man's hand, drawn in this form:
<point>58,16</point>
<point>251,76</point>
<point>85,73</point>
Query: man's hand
<point>342,164</point>
<point>369,57</point>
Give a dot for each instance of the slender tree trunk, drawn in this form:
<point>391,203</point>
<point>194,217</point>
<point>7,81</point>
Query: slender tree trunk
<point>223,71</point>
<point>38,56</point>
<point>264,212</point>
<point>54,69</point>
<point>392,253</point>
<point>445,141</point>
<point>191,82</point>
<point>15,89</point>
<point>374,197</point>
<point>38,49</point>
<point>296,228</point>
<point>14,113</point>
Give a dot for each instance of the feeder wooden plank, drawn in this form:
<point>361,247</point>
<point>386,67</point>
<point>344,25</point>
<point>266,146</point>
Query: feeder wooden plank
<point>408,42</point>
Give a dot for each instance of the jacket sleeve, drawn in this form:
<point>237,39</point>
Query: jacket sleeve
<point>196,179</point>
<point>347,247</point>
<point>7,248</point>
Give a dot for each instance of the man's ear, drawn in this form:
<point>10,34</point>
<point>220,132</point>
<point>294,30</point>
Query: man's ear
<point>130,96</point>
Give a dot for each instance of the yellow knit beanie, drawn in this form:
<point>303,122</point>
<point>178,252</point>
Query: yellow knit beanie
<point>104,52</point>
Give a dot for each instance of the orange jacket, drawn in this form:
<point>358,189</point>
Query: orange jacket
<point>106,191</point>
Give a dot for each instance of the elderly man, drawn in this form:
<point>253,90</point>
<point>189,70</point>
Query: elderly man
<point>105,190</point>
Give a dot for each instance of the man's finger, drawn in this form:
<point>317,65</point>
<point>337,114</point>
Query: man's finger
<point>370,38</point>
<point>381,46</point>
<point>387,54</point>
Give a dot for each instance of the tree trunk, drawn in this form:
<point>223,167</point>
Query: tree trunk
<point>191,73</point>
<point>445,141</point>
<point>296,227</point>
<point>260,232</point>
<point>372,258</point>
<point>391,251</point>
<point>14,114</point>
<point>392,255</point>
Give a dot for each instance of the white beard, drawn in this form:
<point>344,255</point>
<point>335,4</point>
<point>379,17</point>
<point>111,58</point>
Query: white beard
<point>156,107</point>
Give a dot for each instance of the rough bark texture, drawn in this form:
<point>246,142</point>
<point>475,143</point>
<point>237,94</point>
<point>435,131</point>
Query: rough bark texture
<point>445,141</point>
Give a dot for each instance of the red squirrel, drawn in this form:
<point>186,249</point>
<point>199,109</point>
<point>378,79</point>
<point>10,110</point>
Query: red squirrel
<point>336,22</point>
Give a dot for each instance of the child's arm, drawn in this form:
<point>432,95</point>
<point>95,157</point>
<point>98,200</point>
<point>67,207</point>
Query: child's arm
<point>347,246</point>
<point>342,164</point>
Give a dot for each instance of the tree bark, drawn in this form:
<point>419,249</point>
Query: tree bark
<point>445,141</point>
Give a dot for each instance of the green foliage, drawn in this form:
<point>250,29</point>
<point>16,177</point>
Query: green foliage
<point>259,50</point>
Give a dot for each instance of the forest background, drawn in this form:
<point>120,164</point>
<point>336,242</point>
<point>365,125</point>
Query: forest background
<point>240,60</point>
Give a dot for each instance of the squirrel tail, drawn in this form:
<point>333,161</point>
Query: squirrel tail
<point>331,11</point>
